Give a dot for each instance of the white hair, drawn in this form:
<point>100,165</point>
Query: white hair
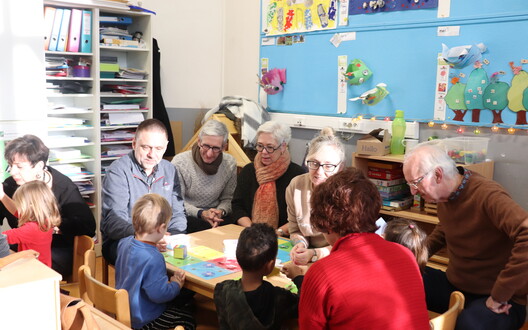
<point>213,128</point>
<point>280,131</point>
<point>326,138</point>
<point>433,154</point>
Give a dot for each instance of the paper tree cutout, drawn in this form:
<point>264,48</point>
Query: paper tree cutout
<point>475,86</point>
<point>495,97</point>
<point>357,72</point>
<point>273,81</point>
<point>455,99</point>
<point>516,93</point>
<point>373,96</point>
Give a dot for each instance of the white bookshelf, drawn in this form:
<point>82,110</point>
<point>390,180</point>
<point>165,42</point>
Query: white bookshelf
<point>86,105</point>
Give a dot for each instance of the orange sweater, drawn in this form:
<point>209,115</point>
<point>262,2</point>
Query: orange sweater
<point>486,235</point>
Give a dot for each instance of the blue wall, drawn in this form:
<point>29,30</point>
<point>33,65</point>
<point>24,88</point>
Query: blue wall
<point>401,49</point>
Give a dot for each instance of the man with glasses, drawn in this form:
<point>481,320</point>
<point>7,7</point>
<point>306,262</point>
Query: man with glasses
<point>208,178</point>
<point>141,171</point>
<point>486,236</point>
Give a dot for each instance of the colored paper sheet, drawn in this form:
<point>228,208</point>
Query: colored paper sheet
<point>204,253</point>
<point>206,270</point>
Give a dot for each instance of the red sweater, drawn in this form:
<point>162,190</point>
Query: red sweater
<point>365,283</point>
<point>29,236</point>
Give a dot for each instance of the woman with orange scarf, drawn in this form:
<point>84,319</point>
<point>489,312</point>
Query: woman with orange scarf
<point>261,185</point>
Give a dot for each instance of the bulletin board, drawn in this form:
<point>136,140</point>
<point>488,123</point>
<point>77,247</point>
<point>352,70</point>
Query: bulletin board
<point>401,48</point>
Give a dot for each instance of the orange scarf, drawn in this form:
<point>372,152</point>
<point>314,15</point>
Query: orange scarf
<point>265,206</point>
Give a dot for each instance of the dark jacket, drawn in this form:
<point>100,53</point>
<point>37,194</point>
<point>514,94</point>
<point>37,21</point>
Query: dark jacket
<point>234,311</point>
<point>247,185</point>
<point>76,217</point>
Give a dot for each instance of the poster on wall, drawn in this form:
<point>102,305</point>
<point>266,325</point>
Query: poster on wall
<point>379,6</point>
<point>286,16</point>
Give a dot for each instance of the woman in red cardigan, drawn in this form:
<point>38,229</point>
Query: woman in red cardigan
<point>365,282</point>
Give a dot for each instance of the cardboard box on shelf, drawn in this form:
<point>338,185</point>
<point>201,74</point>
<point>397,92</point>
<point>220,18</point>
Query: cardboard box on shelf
<point>374,143</point>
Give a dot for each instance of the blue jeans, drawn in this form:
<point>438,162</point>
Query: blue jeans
<point>475,314</point>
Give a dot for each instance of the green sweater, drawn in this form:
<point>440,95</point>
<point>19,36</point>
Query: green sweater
<point>486,235</point>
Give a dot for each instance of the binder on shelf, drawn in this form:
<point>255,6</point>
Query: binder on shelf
<point>63,33</point>
<point>74,35</point>
<point>86,32</point>
<point>49,18</point>
<point>121,20</point>
<point>54,38</point>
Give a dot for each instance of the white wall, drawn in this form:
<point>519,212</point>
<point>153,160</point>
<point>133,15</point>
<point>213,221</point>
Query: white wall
<point>209,49</point>
<point>190,36</point>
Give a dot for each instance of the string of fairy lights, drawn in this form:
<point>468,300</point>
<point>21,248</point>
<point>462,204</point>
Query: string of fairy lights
<point>460,129</point>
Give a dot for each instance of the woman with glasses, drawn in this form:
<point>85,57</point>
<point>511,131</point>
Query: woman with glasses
<point>325,157</point>
<point>261,185</point>
<point>207,178</point>
<point>27,157</point>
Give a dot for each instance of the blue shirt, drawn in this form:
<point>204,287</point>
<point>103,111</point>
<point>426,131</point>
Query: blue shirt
<point>140,269</point>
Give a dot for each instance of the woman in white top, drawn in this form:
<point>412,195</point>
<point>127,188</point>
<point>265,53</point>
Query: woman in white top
<point>326,157</point>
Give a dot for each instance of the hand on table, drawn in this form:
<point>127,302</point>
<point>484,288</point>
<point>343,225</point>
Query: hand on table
<point>162,244</point>
<point>178,277</point>
<point>212,216</point>
<point>300,255</point>
<point>292,271</point>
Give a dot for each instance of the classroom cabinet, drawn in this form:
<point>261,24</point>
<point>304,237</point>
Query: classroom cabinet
<point>97,94</point>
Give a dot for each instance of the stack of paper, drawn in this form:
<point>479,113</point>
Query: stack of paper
<point>115,150</point>
<point>117,135</point>
<point>123,89</point>
<point>57,141</point>
<point>132,73</point>
<point>64,154</point>
<point>54,122</point>
<point>123,106</point>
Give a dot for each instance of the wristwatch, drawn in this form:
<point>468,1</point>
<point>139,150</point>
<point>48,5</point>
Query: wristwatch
<point>280,231</point>
<point>314,258</point>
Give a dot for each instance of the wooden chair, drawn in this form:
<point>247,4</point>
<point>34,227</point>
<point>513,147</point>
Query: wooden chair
<point>81,244</point>
<point>103,297</point>
<point>447,320</point>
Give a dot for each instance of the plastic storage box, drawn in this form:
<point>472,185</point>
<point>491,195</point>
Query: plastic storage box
<point>467,150</point>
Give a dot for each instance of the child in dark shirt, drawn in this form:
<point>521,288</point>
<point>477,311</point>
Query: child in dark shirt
<point>251,302</point>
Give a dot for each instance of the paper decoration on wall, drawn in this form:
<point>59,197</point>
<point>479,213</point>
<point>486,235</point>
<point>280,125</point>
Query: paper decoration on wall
<point>462,56</point>
<point>517,95</point>
<point>357,72</point>
<point>284,17</point>
<point>495,97</point>
<point>373,96</point>
<point>272,81</point>
<point>473,94</point>
<point>379,6</point>
<point>455,99</point>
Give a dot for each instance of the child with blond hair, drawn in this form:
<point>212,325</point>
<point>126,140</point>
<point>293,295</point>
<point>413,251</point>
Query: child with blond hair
<point>36,208</point>
<point>405,232</point>
<point>141,270</point>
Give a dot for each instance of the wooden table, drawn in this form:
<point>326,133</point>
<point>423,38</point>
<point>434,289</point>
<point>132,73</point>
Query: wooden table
<point>213,238</point>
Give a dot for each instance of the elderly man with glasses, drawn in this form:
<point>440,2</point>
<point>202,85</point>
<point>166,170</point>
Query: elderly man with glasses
<point>207,177</point>
<point>486,236</point>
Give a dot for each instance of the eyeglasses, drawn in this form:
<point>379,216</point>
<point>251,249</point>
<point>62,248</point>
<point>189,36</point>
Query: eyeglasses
<point>207,147</point>
<point>260,147</point>
<point>414,184</point>
<point>314,165</point>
